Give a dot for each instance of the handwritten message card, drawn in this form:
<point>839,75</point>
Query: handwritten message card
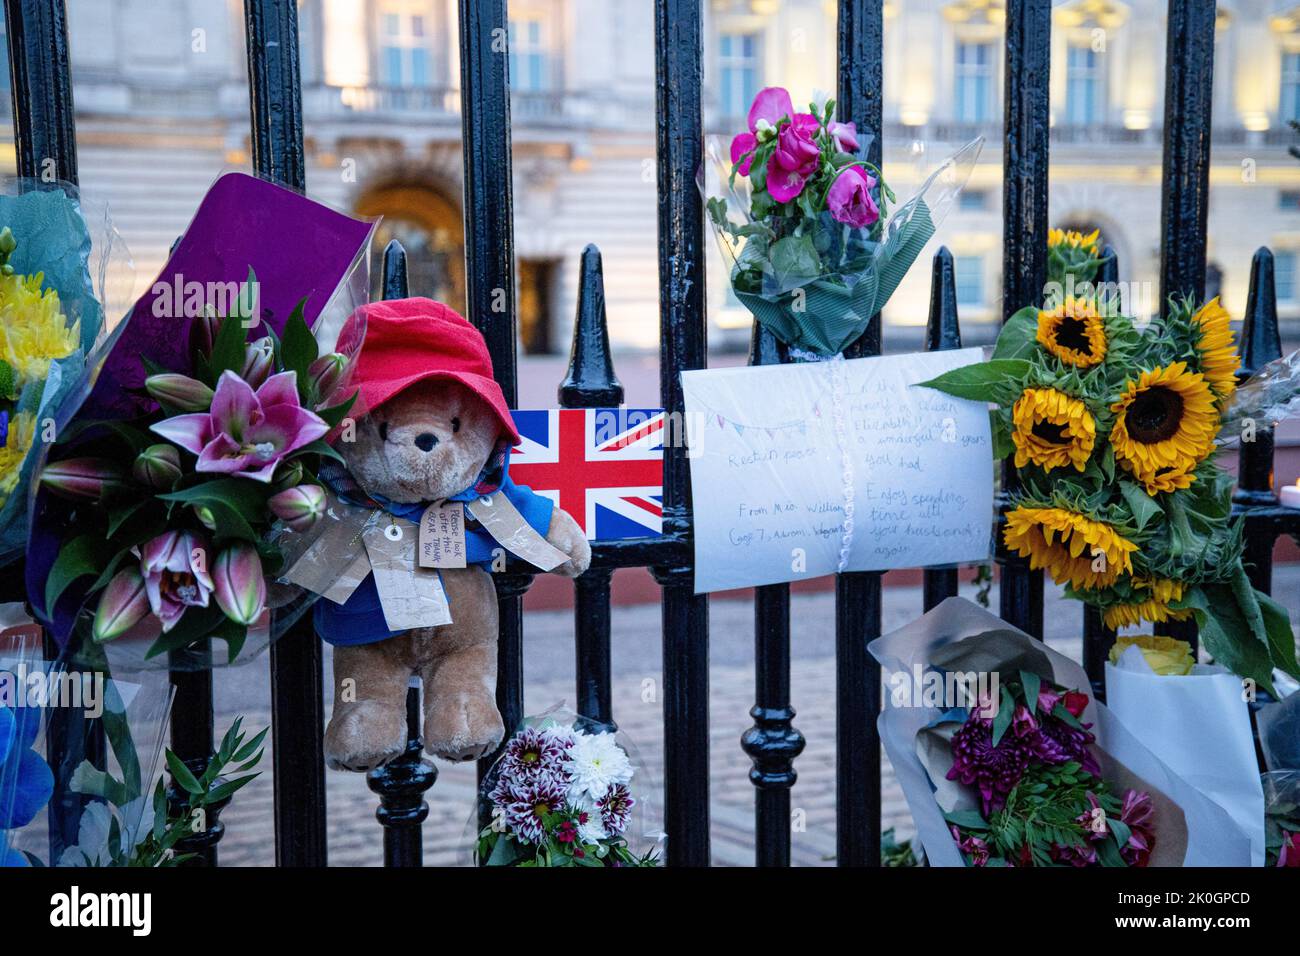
<point>809,469</point>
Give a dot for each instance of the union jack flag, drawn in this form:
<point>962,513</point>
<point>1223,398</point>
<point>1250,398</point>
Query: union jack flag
<point>604,466</point>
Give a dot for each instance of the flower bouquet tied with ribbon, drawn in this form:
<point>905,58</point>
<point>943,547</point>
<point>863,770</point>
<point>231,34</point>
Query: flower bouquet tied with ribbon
<point>1113,429</point>
<point>175,510</point>
<point>561,795</point>
<point>804,220</point>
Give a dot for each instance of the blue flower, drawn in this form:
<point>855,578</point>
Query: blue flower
<point>26,781</point>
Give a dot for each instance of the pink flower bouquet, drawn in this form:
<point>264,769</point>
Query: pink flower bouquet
<point>803,219</point>
<point>561,795</point>
<point>175,512</point>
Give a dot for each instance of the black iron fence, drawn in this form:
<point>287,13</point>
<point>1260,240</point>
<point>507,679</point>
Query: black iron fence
<point>46,149</point>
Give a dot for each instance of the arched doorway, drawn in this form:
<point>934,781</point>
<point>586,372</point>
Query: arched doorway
<point>432,231</point>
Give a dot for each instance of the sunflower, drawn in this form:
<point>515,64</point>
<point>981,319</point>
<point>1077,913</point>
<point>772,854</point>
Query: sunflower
<point>1052,430</point>
<point>1074,332</point>
<point>1074,240</point>
<point>1154,608</point>
<point>1218,354</point>
<point>1073,548</point>
<point>1165,424</point>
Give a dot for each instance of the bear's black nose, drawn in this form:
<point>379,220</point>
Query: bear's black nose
<point>425,441</point>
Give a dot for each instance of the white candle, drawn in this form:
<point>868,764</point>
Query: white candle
<point>1290,496</point>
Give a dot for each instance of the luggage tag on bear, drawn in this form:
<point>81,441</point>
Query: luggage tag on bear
<point>334,562</point>
<point>502,520</point>
<point>410,596</point>
<point>442,536</point>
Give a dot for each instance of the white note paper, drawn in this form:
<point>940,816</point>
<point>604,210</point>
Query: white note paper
<point>804,470</point>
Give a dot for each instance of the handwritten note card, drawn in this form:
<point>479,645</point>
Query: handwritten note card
<point>809,469</point>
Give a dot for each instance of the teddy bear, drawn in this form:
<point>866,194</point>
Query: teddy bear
<point>432,426</point>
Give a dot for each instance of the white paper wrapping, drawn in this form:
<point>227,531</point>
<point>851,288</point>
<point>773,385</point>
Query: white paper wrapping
<point>1199,725</point>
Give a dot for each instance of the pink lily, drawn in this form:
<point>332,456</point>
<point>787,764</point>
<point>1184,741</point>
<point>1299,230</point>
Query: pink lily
<point>246,433</point>
<point>175,569</point>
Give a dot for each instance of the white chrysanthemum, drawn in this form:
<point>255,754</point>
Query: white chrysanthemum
<point>592,829</point>
<point>596,764</point>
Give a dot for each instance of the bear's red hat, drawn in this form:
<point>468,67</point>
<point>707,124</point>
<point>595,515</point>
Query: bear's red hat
<point>416,340</point>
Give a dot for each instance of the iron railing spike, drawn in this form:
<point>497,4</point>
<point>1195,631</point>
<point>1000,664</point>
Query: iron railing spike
<point>590,381</point>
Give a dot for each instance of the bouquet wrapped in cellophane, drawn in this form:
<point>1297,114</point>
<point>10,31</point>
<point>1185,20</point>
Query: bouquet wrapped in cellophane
<point>175,513</point>
<point>1113,430</point>
<point>1006,759</point>
<point>803,219</point>
<point>56,254</point>
<point>188,450</point>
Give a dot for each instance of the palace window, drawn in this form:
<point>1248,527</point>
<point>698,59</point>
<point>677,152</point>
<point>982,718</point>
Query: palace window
<point>1290,106</point>
<point>974,75</point>
<point>405,58</point>
<point>968,271</point>
<point>1083,92</point>
<point>737,72</point>
<point>530,55</point>
<point>1284,277</point>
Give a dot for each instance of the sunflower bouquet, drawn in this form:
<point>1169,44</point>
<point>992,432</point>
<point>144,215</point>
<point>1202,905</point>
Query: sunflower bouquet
<point>1112,428</point>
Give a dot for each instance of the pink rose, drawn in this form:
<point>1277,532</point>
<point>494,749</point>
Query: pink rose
<point>794,160</point>
<point>849,198</point>
<point>845,136</point>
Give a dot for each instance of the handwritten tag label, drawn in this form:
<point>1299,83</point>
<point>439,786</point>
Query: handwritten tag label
<point>442,536</point>
<point>502,520</point>
<point>800,470</point>
<point>411,596</point>
<point>329,561</point>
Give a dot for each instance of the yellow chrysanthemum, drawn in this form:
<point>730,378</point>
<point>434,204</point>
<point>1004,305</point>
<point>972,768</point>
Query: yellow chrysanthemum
<point>1217,351</point>
<point>1165,424</point>
<point>1154,608</point>
<point>1073,332</point>
<point>1052,430</point>
<point>18,442</point>
<point>1072,548</point>
<point>1165,655</point>
<point>1075,240</point>
<point>33,329</point>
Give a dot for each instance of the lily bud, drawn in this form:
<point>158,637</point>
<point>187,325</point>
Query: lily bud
<point>158,466</point>
<point>291,474</point>
<point>203,331</point>
<point>238,584</point>
<point>259,361</point>
<point>299,507</point>
<point>122,605</point>
<point>326,373</point>
<point>205,516</point>
<point>179,391</point>
<point>88,479</point>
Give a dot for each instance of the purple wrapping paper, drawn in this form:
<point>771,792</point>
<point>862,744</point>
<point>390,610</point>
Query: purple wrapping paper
<point>297,247</point>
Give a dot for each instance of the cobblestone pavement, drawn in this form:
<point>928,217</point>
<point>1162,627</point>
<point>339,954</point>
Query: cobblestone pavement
<point>355,837</point>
